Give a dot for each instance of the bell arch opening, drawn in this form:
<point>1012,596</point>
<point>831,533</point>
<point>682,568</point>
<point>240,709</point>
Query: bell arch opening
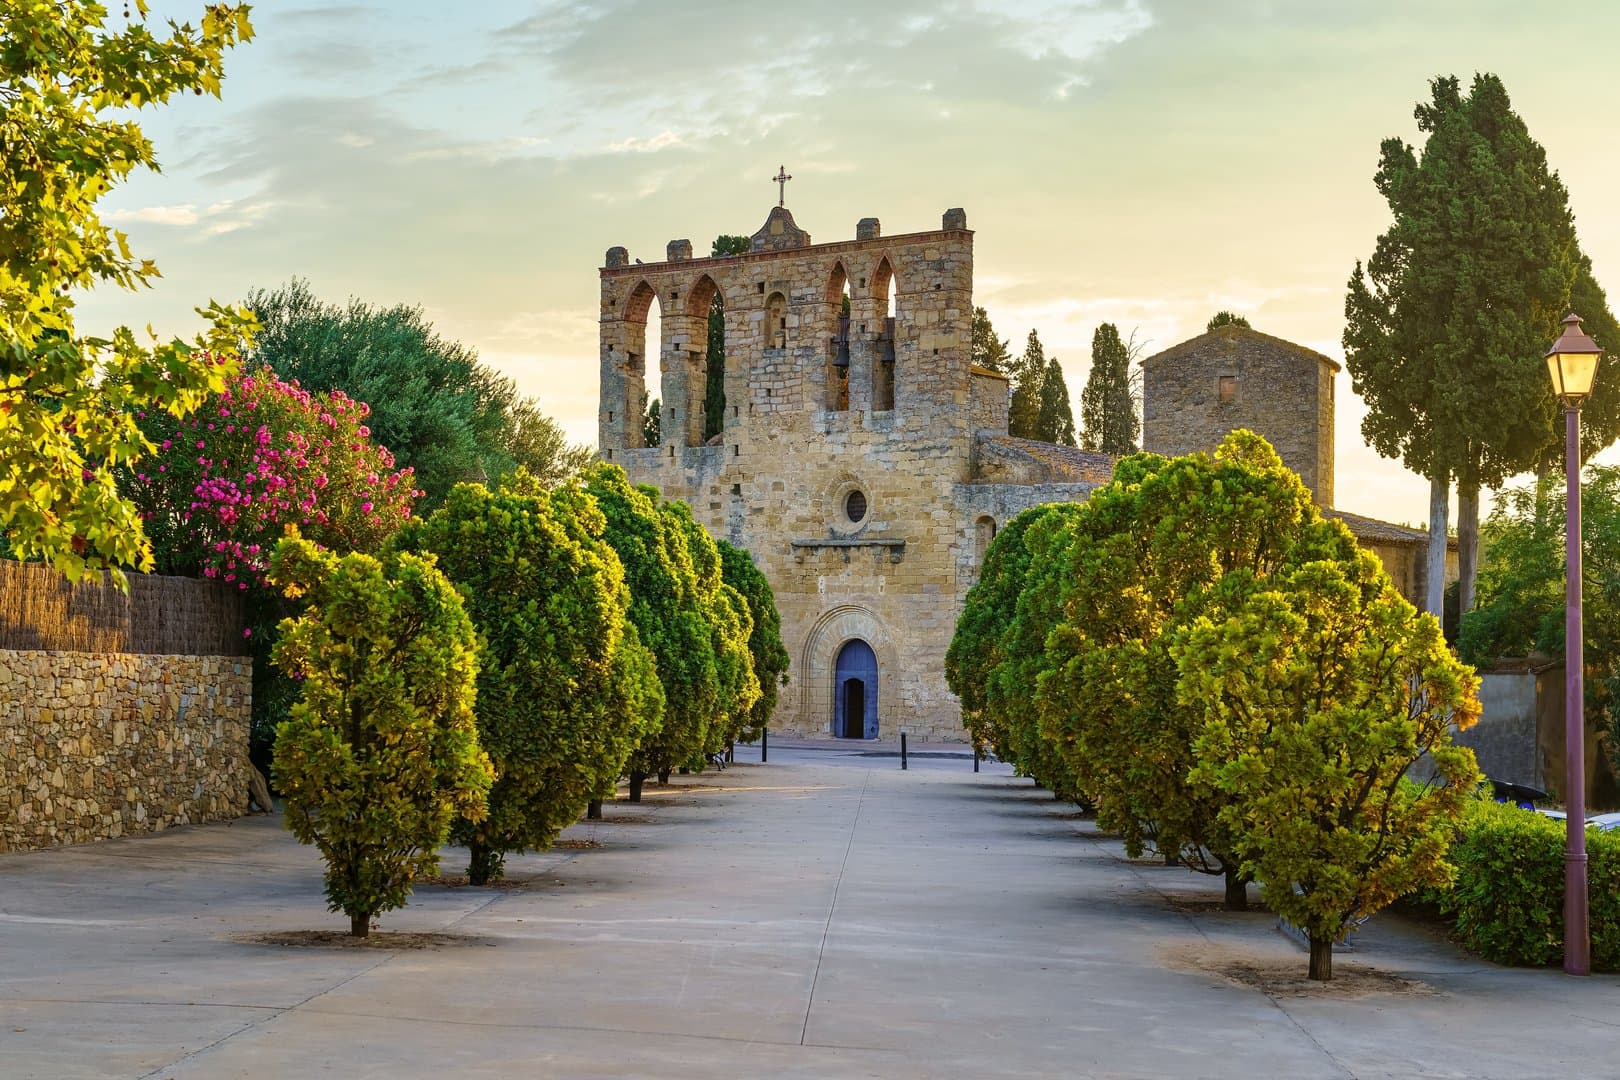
<point>885,288</point>
<point>706,311</point>
<point>837,367</point>
<point>642,312</point>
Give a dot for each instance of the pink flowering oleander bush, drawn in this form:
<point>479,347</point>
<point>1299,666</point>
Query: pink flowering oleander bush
<point>262,457</point>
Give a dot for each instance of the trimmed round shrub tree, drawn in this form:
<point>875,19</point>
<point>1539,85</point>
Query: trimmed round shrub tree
<point>770,657</point>
<point>547,596</point>
<point>1319,689</point>
<point>669,605</point>
<point>980,644</point>
<point>1148,550</point>
<point>380,753</point>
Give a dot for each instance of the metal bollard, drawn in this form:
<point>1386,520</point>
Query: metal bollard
<point>902,750</point>
<point>975,759</point>
<point>764,745</point>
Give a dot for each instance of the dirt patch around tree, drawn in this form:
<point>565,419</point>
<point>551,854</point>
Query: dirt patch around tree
<point>462,881</point>
<point>1283,974</point>
<point>377,939</point>
<point>1197,905</point>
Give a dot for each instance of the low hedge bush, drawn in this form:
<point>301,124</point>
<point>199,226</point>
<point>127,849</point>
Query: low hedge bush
<point>1508,898</point>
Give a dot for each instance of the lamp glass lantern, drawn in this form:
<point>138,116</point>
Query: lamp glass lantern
<point>1572,362</point>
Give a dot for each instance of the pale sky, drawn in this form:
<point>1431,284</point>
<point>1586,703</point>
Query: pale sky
<point>1141,162</point>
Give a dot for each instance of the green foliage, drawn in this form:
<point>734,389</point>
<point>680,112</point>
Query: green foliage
<point>770,657</point>
<point>996,655</point>
<point>1520,609</point>
<point>69,403</point>
<point>652,428</point>
<point>731,625</point>
<point>671,590</point>
<point>381,751</point>
<point>547,596</point>
<point>1318,689</point>
<point>1447,325</point>
<point>1028,376</point>
<point>261,457</point>
<point>1148,553</point>
<point>714,384</point>
<point>1508,897</point>
<point>1056,420</point>
<point>439,410</point>
<point>987,350</point>
<point>1226,318</point>
<point>1107,409</point>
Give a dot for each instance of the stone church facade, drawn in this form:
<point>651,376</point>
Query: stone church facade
<point>864,461</point>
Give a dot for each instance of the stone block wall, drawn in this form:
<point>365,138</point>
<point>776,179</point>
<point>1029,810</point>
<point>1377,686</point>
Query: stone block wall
<point>793,449</point>
<point>1233,377</point>
<point>98,745</point>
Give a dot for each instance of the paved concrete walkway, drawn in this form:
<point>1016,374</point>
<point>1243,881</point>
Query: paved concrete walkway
<point>828,919</point>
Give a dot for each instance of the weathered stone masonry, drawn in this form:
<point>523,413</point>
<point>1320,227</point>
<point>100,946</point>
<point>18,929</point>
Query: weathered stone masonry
<point>864,464</point>
<point>97,745</point>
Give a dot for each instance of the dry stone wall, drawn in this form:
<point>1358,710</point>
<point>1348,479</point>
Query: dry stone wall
<point>98,745</point>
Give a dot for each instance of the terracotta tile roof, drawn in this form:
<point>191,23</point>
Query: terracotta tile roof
<point>1371,530</point>
<point>1064,462</point>
<point>1230,333</point>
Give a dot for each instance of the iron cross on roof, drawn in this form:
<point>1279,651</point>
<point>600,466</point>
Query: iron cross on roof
<point>781,179</point>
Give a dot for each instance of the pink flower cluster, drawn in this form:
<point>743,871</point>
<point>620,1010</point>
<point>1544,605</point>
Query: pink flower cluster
<point>266,455</point>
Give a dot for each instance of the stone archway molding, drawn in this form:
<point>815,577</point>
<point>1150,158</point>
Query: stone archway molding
<point>818,658</point>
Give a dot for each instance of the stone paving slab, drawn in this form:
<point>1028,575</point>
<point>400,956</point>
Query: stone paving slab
<point>825,916</point>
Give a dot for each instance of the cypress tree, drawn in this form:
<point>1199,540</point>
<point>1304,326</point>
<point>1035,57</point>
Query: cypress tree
<point>988,350</point>
<point>1107,413</point>
<point>1056,422</point>
<point>1447,323</point>
<point>1028,373</point>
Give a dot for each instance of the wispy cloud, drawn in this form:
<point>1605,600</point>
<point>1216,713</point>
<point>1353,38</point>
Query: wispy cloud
<point>215,220</point>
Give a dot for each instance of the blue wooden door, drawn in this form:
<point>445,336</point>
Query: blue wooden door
<point>855,692</point>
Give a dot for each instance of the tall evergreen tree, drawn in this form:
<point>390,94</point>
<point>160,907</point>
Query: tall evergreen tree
<point>1107,411</point>
<point>1447,323</point>
<point>988,350</point>
<point>714,386</point>
<point>1056,422</point>
<point>1028,373</point>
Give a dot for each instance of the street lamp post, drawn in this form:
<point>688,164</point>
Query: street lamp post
<point>1572,362</point>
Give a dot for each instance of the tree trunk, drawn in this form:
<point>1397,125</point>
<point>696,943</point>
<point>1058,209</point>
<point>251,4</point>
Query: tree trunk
<point>1467,548</point>
<point>1439,512</point>
<point>593,810</point>
<point>1237,891</point>
<point>636,780</point>
<point>663,776</point>
<point>360,925</point>
<point>1170,858</point>
<point>1321,958</point>
<point>483,863</point>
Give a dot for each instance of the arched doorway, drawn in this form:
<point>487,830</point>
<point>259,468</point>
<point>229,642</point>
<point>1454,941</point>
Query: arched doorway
<point>855,692</point>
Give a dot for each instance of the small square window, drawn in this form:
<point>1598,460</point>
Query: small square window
<point>1227,388</point>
